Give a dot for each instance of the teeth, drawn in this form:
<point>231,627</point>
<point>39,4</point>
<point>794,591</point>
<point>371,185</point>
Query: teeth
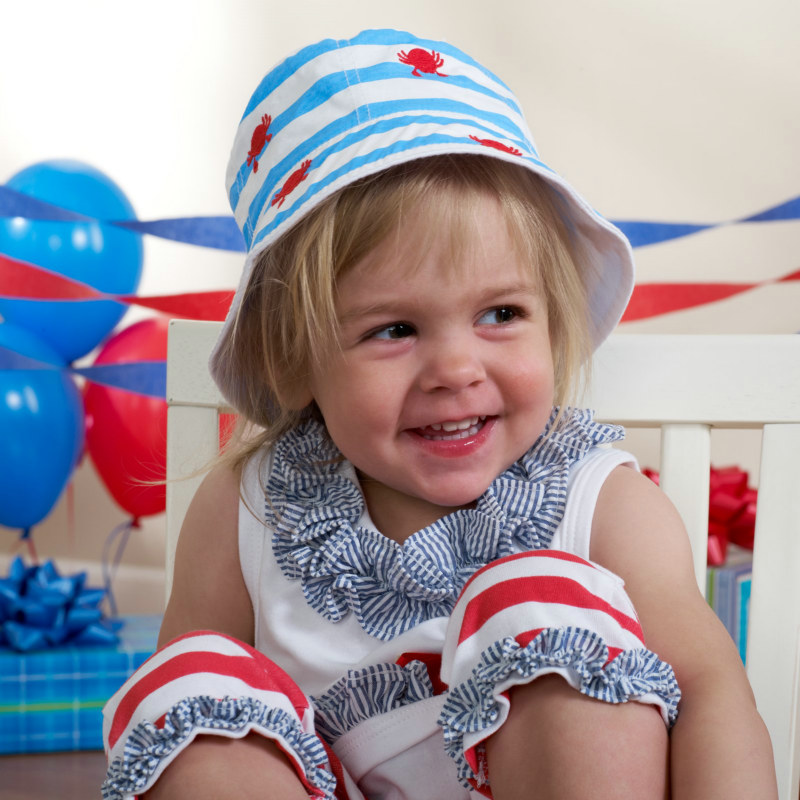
<point>463,425</point>
<point>457,430</point>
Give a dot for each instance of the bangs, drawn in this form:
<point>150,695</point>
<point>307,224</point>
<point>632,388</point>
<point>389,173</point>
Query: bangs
<point>443,196</point>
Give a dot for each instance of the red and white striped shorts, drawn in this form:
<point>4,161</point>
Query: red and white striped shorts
<point>518,618</point>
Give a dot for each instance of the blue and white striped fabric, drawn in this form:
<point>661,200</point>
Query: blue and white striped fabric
<point>368,693</point>
<point>344,566</point>
<point>343,109</point>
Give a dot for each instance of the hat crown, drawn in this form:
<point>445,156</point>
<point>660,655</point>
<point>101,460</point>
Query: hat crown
<point>346,106</point>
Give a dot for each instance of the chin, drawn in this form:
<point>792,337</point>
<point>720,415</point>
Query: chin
<point>452,500</point>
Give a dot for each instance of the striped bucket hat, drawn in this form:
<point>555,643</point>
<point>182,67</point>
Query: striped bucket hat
<point>343,109</point>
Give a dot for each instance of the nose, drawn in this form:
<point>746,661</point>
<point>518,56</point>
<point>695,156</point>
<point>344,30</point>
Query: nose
<point>452,364</point>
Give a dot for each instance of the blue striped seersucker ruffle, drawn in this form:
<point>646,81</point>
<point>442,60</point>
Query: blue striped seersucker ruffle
<point>345,567</point>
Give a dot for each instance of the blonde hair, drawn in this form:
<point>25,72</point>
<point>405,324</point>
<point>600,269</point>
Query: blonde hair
<point>287,319</point>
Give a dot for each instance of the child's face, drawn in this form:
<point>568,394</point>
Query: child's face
<point>445,376</point>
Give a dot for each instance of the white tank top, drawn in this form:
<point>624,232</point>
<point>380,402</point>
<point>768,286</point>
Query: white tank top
<point>316,652</point>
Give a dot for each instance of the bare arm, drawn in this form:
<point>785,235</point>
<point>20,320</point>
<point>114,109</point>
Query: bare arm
<point>719,745</point>
<point>208,591</point>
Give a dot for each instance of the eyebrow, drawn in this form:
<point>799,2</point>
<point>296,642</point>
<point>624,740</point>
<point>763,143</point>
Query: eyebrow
<point>525,288</point>
<point>373,309</point>
<point>390,308</point>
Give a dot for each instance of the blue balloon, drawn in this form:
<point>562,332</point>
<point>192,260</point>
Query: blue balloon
<point>41,430</point>
<point>104,256</point>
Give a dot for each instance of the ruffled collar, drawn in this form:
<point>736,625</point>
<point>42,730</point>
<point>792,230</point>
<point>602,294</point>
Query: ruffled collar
<point>323,536</point>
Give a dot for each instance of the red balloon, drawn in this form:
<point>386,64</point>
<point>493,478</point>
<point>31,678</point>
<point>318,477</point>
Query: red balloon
<point>126,433</point>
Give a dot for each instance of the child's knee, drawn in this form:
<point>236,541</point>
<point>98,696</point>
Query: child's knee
<point>553,731</point>
<point>216,766</point>
<point>201,692</point>
<point>551,704</point>
<point>562,628</point>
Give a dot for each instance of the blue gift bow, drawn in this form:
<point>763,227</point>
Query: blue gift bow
<point>40,608</point>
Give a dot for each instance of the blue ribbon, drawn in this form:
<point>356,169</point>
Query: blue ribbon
<point>142,377</point>
<point>643,233</point>
<point>39,608</point>
<point>788,210</point>
<point>222,233</point>
<point>14,203</point>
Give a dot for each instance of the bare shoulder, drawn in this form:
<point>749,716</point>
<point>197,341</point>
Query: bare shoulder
<point>638,534</point>
<point>636,529</point>
<point>208,587</point>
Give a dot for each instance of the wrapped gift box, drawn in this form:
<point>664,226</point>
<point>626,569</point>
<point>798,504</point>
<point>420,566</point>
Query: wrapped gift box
<point>53,699</point>
<point>728,592</point>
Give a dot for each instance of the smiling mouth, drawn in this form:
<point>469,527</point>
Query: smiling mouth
<point>452,431</point>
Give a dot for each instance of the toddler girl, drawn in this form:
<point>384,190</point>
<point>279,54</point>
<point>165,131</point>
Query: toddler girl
<point>405,583</point>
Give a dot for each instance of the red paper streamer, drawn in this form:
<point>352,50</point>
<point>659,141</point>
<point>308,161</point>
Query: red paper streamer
<point>21,280</point>
<point>653,299</point>
<point>212,305</point>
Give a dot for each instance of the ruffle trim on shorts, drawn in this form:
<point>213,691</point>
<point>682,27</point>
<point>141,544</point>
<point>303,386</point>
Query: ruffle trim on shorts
<point>149,746</point>
<point>366,693</point>
<point>315,510</point>
<point>472,706</point>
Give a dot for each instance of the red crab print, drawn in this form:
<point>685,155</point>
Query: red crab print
<point>259,141</point>
<point>498,146</point>
<point>292,183</point>
<point>423,61</point>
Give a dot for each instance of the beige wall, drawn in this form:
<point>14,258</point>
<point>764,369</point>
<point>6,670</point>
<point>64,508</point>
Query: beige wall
<point>681,111</point>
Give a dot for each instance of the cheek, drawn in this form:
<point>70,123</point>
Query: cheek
<point>532,378</point>
<point>352,400</point>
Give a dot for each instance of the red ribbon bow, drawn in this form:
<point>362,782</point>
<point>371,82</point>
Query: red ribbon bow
<point>731,511</point>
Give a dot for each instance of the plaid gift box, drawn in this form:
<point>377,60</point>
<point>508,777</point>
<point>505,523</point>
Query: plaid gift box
<point>52,699</point>
<point>728,593</point>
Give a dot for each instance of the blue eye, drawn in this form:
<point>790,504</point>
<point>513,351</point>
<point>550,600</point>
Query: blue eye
<point>499,316</point>
<point>397,331</point>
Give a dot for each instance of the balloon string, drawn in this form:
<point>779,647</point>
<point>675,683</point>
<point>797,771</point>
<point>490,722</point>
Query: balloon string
<point>71,514</point>
<point>110,565</point>
<point>25,539</point>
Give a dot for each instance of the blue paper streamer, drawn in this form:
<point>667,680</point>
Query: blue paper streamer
<point>11,359</point>
<point>643,233</point>
<point>40,608</point>
<point>14,203</point>
<point>222,233</point>
<point>785,211</point>
<point>141,377</point>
